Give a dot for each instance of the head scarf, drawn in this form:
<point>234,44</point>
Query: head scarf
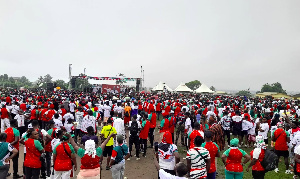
<point>167,138</point>
<point>260,142</point>
<point>90,148</point>
<point>234,142</point>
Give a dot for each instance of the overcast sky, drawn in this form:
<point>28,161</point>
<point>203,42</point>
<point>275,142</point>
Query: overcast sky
<point>231,45</point>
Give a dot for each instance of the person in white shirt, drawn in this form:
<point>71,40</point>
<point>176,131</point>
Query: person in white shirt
<point>79,122</point>
<point>21,121</point>
<point>187,127</point>
<point>119,126</point>
<point>263,130</point>
<point>15,109</point>
<point>245,127</point>
<point>88,120</point>
<point>68,115</point>
<point>68,125</point>
<point>106,109</point>
<point>72,106</point>
<point>251,133</point>
<point>57,122</point>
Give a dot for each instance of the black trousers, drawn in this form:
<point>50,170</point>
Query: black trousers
<point>227,134</point>
<point>258,174</point>
<point>144,145</point>
<point>32,173</point>
<point>136,141</point>
<point>15,161</point>
<point>48,163</point>
<point>151,136</point>
<point>77,133</point>
<point>43,168</point>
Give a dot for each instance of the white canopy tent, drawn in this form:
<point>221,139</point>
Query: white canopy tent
<point>183,88</point>
<point>204,89</point>
<point>161,87</point>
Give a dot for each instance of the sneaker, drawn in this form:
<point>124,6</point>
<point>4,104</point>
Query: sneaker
<point>128,159</point>
<point>184,158</point>
<point>288,172</point>
<point>138,158</point>
<point>276,170</point>
<point>107,167</point>
<point>17,176</point>
<point>144,156</point>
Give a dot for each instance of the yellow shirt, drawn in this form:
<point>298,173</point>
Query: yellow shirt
<point>106,131</point>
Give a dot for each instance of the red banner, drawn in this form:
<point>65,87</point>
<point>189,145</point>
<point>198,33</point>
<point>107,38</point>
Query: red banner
<point>110,88</point>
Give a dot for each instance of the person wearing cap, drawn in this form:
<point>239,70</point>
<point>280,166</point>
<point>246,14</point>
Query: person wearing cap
<point>120,153</point>
<point>214,152</point>
<point>257,155</point>
<point>281,138</point>
<point>144,133</point>
<point>105,132</point>
<point>13,136</point>
<point>21,121</point>
<point>232,159</point>
<point>164,124</point>
<point>167,155</point>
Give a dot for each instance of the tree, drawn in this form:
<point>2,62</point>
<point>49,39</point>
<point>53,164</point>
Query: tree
<point>193,85</point>
<point>275,87</point>
<point>212,88</point>
<point>61,83</point>
<point>244,93</point>
<point>11,80</point>
<point>47,78</point>
<point>39,81</point>
<point>5,77</point>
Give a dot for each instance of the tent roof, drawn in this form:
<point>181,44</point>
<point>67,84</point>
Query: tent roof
<point>161,86</point>
<point>203,89</point>
<point>182,88</point>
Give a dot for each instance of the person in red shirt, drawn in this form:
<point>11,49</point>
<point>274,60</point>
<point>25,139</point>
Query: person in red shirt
<point>172,124</point>
<point>44,116</point>
<point>158,109</point>
<point>192,135</point>
<point>34,149</point>
<point>152,118</point>
<point>23,106</point>
<point>144,133</point>
<point>214,152</point>
<point>13,136</point>
<point>258,155</point>
<point>281,138</point>
<point>4,118</point>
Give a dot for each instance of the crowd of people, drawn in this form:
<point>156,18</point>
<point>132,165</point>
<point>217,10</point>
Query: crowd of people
<point>56,128</point>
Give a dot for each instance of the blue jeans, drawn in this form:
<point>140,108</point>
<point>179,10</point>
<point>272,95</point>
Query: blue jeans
<point>211,175</point>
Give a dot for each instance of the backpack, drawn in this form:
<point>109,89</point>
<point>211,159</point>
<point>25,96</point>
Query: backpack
<point>269,162</point>
<point>134,128</point>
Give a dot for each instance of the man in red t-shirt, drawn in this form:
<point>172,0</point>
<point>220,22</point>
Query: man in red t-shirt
<point>192,135</point>
<point>158,109</point>
<point>281,138</point>
<point>214,152</point>
<point>4,118</point>
<point>152,118</point>
<point>144,133</point>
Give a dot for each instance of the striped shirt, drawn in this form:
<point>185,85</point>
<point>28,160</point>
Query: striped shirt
<point>198,155</point>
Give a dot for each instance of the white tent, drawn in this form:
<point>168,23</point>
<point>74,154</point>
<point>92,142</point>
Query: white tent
<point>203,89</point>
<point>183,88</point>
<point>161,86</point>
